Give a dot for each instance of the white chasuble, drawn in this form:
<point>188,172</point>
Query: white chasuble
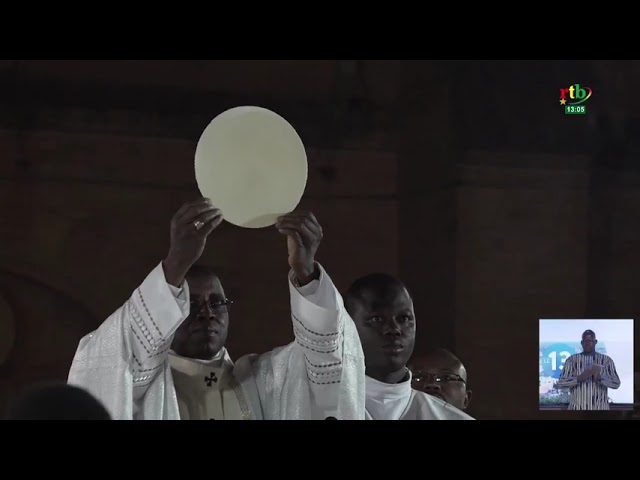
<point>207,390</point>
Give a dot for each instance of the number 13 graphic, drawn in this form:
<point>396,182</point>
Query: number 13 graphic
<point>554,359</point>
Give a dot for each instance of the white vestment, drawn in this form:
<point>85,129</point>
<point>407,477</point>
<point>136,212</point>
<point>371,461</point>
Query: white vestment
<point>206,389</point>
<point>398,401</point>
<point>127,363</point>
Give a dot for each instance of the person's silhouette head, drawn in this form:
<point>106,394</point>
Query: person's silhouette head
<point>57,402</point>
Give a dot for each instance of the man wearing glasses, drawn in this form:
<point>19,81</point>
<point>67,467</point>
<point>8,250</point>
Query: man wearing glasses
<point>441,374</point>
<point>161,356</point>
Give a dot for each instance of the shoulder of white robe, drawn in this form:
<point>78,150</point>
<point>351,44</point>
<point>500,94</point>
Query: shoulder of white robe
<point>246,387</point>
<point>439,404</point>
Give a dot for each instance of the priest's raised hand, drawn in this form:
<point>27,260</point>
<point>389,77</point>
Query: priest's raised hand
<point>190,227</point>
<point>304,235</point>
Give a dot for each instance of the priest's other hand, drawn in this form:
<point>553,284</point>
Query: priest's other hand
<point>304,235</point>
<point>190,227</point>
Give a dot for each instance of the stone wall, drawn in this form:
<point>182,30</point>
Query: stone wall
<point>430,170</point>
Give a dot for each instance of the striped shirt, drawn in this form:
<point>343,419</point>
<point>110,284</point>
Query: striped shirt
<point>588,394</point>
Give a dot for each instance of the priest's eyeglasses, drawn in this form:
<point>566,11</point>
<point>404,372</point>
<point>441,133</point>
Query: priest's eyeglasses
<point>424,378</point>
<point>214,305</point>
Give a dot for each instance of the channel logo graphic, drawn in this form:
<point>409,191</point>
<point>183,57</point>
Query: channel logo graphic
<point>573,99</point>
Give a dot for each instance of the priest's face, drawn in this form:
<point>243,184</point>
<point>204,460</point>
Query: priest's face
<point>203,334</point>
<point>387,328</point>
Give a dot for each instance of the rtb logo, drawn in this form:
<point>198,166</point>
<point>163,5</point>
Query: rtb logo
<point>574,97</point>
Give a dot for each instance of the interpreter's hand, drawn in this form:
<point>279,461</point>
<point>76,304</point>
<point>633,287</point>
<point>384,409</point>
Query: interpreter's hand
<point>597,372</point>
<point>585,375</point>
<point>190,227</point>
<point>304,235</point>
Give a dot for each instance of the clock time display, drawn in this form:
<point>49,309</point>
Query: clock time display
<point>575,109</point>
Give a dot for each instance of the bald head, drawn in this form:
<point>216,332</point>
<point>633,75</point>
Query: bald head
<point>443,359</point>
<point>440,373</point>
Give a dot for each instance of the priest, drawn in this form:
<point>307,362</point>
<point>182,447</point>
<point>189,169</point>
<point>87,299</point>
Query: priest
<point>161,355</point>
<point>383,312</point>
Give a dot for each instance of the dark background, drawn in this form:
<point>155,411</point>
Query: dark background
<point>465,178</point>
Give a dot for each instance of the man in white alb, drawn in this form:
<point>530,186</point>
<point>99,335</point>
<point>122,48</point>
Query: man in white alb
<point>162,356</point>
<point>382,310</point>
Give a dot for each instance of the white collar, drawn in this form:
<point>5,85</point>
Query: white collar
<point>387,391</point>
<point>214,362</point>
